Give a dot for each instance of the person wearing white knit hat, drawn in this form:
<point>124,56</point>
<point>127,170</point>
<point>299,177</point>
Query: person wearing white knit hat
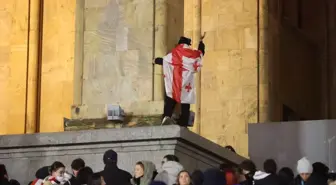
<point>304,168</point>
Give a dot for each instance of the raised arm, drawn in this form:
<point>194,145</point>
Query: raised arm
<point>201,47</point>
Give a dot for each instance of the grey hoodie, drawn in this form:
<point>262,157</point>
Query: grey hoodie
<point>149,169</point>
<point>169,172</point>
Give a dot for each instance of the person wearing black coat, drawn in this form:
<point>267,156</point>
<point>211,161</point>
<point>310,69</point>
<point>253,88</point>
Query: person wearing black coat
<point>112,174</point>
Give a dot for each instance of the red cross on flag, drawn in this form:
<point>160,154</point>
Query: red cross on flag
<point>179,67</point>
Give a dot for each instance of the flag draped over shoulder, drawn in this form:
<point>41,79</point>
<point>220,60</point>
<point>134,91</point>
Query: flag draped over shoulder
<point>179,67</point>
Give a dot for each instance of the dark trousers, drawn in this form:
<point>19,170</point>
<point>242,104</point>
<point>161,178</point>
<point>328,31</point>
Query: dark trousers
<point>169,105</point>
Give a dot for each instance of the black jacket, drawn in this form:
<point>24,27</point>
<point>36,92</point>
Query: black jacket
<point>114,176</point>
<point>262,178</point>
<point>314,179</point>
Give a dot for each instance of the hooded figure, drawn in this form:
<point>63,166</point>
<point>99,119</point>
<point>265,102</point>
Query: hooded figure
<point>149,171</point>
<point>286,176</point>
<point>214,176</point>
<point>263,178</point>
<point>169,172</point>
<point>112,174</point>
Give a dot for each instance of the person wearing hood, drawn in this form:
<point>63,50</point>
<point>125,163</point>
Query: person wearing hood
<point>169,172</point>
<point>269,176</point>
<point>321,171</point>
<point>143,173</point>
<point>40,175</point>
<point>112,174</point>
<point>214,176</point>
<point>57,174</point>
<point>286,176</point>
<point>247,170</point>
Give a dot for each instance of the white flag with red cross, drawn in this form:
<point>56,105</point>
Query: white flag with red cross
<point>179,67</point>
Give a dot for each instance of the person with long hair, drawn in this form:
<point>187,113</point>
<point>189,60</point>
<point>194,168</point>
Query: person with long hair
<point>183,178</point>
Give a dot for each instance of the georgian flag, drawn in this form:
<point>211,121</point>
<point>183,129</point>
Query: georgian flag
<point>179,67</point>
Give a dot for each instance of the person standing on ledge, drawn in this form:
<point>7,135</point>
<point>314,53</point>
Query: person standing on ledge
<point>179,67</point>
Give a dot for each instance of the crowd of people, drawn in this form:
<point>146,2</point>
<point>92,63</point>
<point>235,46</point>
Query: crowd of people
<point>173,173</point>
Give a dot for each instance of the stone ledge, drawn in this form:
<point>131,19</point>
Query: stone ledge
<point>130,121</point>
<point>117,136</point>
<point>95,111</point>
<point>23,154</point>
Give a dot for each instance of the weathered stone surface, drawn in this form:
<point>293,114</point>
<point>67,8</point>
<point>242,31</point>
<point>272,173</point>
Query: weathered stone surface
<point>22,152</point>
<point>13,68</point>
<point>229,73</point>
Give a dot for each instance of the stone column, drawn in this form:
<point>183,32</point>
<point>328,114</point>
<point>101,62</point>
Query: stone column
<point>160,46</point>
<point>196,38</point>
<point>192,29</point>
<point>79,52</point>
<point>33,66</point>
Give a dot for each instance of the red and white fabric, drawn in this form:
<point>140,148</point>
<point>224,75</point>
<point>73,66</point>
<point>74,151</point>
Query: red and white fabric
<point>179,67</point>
<point>37,182</point>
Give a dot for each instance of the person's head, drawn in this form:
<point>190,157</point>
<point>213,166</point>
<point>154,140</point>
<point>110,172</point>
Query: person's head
<point>286,175</point>
<point>170,157</point>
<point>3,172</point>
<point>229,147</point>
<point>184,40</point>
<point>57,170</point>
<point>14,182</point>
<point>183,178</point>
<point>85,175</point>
<point>76,165</point>
<point>248,167</point>
<point>304,168</point>
<point>139,170</point>
<point>320,168</point>
<point>110,157</point>
<point>270,166</point>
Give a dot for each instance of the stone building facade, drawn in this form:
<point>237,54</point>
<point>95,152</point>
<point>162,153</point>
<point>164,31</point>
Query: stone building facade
<point>266,60</point>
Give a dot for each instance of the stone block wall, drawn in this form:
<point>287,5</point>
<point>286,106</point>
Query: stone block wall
<point>229,77</point>
<point>13,65</point>
<point>57,66</point>
<point>120,39</point>
<point>118,46</point>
